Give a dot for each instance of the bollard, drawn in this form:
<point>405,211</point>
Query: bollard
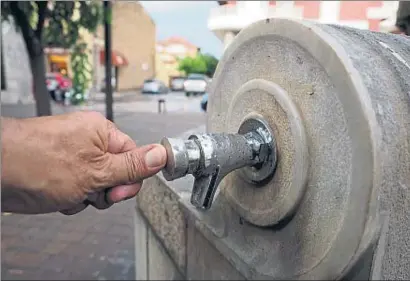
<point>161,103</point>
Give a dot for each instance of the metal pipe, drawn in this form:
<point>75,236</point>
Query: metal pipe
<point>108,62</point>
<point>210,157</point>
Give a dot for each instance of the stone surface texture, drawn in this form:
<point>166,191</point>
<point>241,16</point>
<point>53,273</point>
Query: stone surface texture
<point>352,89</point>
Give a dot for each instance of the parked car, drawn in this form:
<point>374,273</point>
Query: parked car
<point>154,86</point>
<point>59,86</point>
<point>204,102</point>
<point>177,83</point>
<point>195,84</point>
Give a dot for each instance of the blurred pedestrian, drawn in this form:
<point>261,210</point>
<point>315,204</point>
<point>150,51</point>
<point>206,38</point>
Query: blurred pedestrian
<point>68,162</point>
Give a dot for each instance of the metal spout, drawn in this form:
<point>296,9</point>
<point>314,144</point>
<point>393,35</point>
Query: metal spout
<point>210,157</point>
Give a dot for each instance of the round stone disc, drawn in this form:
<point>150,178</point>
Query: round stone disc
<point>299,80</point>
<point>268,101</point>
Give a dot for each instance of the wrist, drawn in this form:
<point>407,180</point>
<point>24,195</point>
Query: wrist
<point>13,157</point>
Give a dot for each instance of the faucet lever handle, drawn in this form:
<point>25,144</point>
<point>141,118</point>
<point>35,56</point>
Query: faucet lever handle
<point>204,189</point>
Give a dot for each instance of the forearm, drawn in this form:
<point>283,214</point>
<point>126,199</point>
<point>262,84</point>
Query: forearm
<point>9,127</point>
<point>16,139</point>
<point>9,198</point>
<point>11,130</point>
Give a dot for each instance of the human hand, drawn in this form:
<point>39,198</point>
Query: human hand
<point>67,162</point>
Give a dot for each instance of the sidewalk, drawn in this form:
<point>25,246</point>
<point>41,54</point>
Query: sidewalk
<point>117,96</point>
<point>29,109</point>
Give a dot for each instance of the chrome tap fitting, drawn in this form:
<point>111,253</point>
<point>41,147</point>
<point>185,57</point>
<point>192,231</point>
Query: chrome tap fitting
<point>210,157</point>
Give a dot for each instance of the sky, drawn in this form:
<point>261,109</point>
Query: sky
<point>187,19</point>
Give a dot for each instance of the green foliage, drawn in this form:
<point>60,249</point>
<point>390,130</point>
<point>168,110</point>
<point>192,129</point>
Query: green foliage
<point>81,69</point>
<point>28,10</point>
<point>190,65</point>
<point>211,63</point>
<point>107,13</point>
<point>67,18</point>
<point>203,64</point>
<point>56,24</point>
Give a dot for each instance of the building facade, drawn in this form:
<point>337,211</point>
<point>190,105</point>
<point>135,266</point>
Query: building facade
<point>133,49</point>
<point>133,46</point>
<point>133,54</point>
<point>227,19</point>
<point>168,52</point>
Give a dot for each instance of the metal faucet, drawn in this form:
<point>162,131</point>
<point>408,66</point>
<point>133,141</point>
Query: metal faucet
<point>210,157</point>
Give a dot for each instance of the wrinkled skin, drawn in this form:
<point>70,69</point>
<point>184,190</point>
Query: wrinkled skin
<point>67,162</point>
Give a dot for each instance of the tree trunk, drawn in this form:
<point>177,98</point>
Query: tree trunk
<point>35,51</point>
<point>41,95</point>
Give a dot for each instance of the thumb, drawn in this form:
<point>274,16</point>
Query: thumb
<point>137,164</point>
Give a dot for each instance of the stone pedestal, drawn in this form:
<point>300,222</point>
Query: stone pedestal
<point>174,241</point>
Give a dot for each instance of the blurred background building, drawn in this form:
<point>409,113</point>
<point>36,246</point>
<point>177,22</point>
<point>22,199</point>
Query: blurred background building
<point>227,19</point>
<point>133,45</point>
<point>133,55</point>
<point>137,56</point>
<point>168,52</point>
<point>133,49</point>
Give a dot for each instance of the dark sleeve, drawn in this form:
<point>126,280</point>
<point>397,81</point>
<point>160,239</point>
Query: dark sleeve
<point>403,16</point>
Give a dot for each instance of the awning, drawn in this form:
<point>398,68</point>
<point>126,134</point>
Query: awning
<point>58,58</point>
<point>117,59</point>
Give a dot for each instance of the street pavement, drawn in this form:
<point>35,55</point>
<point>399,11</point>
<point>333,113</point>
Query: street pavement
<point>94,244</point>
<point>175,102</point>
